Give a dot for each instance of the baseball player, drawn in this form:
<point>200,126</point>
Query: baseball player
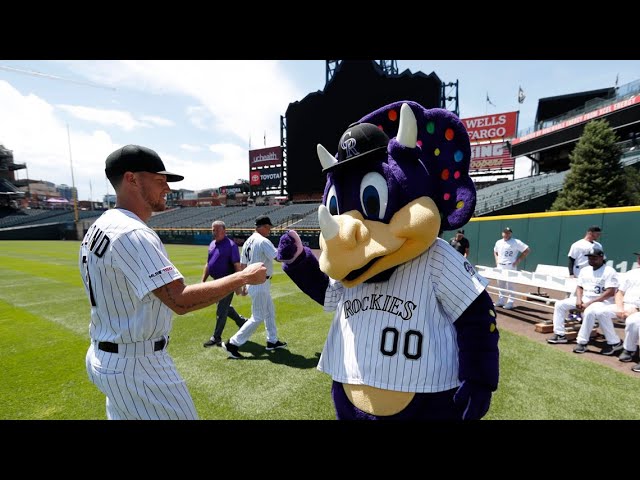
<point>578,250</point>
<point>626,307</point>
<point>508,252</point>
<point>258,248</point>
<point>133,288</point>
<point>597,282</point>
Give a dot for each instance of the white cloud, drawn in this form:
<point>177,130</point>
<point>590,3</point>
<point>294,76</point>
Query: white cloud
<point>231,101</point>
<point>38,138</point>
<point>159,121</point>
<point>244,98</point>
<point>223,166</point>
<point>191,148</point>
<point>119,118</point>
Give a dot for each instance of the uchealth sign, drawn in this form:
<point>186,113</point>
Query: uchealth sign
<point>267,177</point>
<point>265,157</point>
<point>492,127</point>
<point>491,156</point>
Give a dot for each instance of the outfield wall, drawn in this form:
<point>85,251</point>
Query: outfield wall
<point>550,234</point>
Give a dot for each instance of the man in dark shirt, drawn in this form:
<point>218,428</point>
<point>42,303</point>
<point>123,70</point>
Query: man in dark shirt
<point>460,243</point>
<point>223,259</point>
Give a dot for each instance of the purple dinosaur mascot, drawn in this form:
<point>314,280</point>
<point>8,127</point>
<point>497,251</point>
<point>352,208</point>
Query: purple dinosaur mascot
<point>414,334</point>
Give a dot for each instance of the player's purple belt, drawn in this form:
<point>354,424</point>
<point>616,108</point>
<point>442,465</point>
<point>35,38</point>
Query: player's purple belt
<point>113,347</point>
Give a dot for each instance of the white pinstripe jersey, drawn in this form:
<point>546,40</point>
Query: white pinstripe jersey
<point>508,250</point>
<point>578,251</point>
<point>594,282</point>
<point>630,285</point>
<point>400,335</point>
<point>259,249</point>
<point>121,261</point>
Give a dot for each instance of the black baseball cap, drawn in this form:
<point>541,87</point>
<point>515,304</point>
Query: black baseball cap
<point>360,141</point>
<point>594,228</point>
<point>636,253</point>
<point>595,252</point>
<point>263,220</point>
<point>460,231</point>
<point>134,158</point>
<point>507,229</point>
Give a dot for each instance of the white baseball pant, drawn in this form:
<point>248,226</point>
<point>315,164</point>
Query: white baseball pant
<point>560,312</point>
<point>504,296</point>
<point>145,386</point>
<point>262,310</point>
<point>604,313</point>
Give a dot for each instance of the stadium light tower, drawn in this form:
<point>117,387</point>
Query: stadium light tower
<point>449,97</point>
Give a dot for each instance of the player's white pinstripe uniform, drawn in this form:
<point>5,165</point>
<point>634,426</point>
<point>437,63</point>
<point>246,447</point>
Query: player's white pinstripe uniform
<point>578,251</point>
<point>507,251</point>
<point>121,262</point>
<point>593,283</point>
<point>259,249</point>
<point>399,335</point>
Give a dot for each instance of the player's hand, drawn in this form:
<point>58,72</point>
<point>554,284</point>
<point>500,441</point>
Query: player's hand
<point>474,398</point>
<point>255,274</point>
<point>289,247</point>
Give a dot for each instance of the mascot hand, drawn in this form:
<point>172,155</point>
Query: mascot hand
<point>475,399</point>
<point>290,247</point>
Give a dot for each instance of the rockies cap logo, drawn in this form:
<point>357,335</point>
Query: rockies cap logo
<point>349,145</point>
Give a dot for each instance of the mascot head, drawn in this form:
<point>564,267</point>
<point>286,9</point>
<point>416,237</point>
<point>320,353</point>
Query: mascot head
<point>401,175</point>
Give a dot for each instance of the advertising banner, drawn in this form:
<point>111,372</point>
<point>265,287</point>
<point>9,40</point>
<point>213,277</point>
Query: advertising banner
<point>266,178</point>
<point>265,157</point>
<point>491,156</point>
<point>490,127</point>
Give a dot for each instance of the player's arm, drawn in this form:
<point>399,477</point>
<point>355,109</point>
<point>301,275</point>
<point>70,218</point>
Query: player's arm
<point>572,262</point>
<point>205,273</point>
<point>495,255</point>
<point>579,292</point>
<point>183,298</point>
<point>620,305</point>
<point>608,293</point>
<point>522,255</point>
<point>238,267</point>
<point>466,250</point>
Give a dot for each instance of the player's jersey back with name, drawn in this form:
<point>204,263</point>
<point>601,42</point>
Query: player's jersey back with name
<point>400,334</point>
<point>259,249</point>
<point>122,261</point>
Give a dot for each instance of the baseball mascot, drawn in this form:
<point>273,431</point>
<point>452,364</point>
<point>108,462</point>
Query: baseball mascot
<point>414,334</point>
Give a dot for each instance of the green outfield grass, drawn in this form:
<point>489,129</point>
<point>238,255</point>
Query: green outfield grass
<point>44,317</point>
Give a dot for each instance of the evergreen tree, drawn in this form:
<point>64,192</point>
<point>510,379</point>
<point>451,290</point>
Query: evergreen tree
<point>596,178</point>
<point>632,174</point>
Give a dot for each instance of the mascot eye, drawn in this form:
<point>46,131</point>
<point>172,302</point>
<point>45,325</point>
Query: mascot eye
<point>332,201</point>
<point>374,195</point>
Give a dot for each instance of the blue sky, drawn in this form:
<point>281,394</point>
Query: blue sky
<point>200,115</point>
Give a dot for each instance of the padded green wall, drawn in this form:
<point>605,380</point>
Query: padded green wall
<point>550,234</point>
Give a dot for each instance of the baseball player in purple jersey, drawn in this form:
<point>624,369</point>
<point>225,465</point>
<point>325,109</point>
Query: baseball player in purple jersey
<point>133,289</point>
<point>258,248</point>
<point>414,333</point>
<point>223,258</point>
